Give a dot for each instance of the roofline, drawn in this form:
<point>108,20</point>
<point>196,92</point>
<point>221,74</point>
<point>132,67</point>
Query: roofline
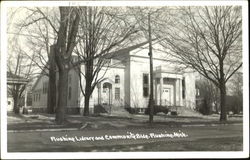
<point>39,77</point>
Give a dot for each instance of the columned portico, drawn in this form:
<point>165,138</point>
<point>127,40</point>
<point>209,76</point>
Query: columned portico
<point>168,88</point>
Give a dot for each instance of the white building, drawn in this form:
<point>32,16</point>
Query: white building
<point>126,82</point>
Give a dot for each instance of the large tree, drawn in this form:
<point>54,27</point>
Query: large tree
<point>66,41</point>
<point>65,28</point>
<point>207,39</point>
<point>102,29</point>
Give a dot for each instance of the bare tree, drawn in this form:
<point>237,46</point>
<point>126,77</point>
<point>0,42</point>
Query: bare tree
<point>102,29</point>
<point>66,41</point>
<point>207,39</point>
<point>39,34</point>
<point>65,29</point>
<point>18,67</point>
<point>45,57</point>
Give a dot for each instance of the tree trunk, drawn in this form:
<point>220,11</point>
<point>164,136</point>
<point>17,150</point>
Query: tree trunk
<point>223,114</point>
<point>62,96</point>
<point>86,105</point>
<point>68,28</point>
<point>52,83</point>
<point>87,95</point>
<point>16,106</point>
<point>88,86</point>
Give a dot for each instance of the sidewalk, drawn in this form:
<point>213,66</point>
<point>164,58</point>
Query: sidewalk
<point>45,122</point>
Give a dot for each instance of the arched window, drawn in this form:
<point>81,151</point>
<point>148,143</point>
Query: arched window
<point>117,79</point>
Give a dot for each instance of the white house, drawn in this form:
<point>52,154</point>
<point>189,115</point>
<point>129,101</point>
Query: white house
<point>126,82</point>
<point>13,81</point>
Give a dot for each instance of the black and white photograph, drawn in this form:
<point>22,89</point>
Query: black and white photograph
<point>124,79</point>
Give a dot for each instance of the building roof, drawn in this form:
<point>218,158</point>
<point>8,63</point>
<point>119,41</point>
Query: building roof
<point>13,79</point>
<point>124,53</point>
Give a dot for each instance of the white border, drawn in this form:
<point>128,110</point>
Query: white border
<point>124,3</point>
<point>3,81</point>
<point>114,155</point>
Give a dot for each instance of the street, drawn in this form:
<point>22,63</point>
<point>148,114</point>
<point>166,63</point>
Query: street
<point>190,138</point>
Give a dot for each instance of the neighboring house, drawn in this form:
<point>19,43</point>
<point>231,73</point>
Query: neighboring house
<point>126,82</point>
<point>40,92</point>
<point>208,95</point>
<point>13,81</point>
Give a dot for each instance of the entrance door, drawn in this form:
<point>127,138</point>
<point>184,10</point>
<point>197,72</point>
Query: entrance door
<point>107,94</point>
<point>166,96</point>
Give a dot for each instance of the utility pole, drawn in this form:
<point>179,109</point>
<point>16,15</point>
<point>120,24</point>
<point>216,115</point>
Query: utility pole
<point>151,99</point>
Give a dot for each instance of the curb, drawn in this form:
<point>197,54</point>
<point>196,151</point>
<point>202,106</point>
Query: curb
<point>44,130</point>
<point>77,129</point>
<point>203,125</point>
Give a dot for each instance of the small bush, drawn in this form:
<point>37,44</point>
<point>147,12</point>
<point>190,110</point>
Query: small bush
<point>158,109</point>
<point>99,109</point>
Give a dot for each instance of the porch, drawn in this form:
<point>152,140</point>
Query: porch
<point>168,88</point>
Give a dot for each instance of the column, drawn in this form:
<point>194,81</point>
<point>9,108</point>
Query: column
<point>161,84</point>
<point>155,91</point>
<point>180,82</point>
<point>25,97</point>
<point>99,93</point>
<point>177,92</point>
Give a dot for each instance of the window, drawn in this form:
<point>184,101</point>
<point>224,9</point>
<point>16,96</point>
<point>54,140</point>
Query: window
<point>145,85</point>
<point>45,87</point>
<point>69,93</point>
<point>145,78</point>
<point>9,102</point>
<point>183,89</point>
<point>197,92</point>
<point>117,79</point>
<point>117,93</point>
<point>145,91</point>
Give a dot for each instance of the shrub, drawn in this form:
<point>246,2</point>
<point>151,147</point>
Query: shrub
<point>158,109</point>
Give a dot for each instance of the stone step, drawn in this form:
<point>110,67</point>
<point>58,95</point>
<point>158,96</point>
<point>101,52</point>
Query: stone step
<point>114,109</point>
